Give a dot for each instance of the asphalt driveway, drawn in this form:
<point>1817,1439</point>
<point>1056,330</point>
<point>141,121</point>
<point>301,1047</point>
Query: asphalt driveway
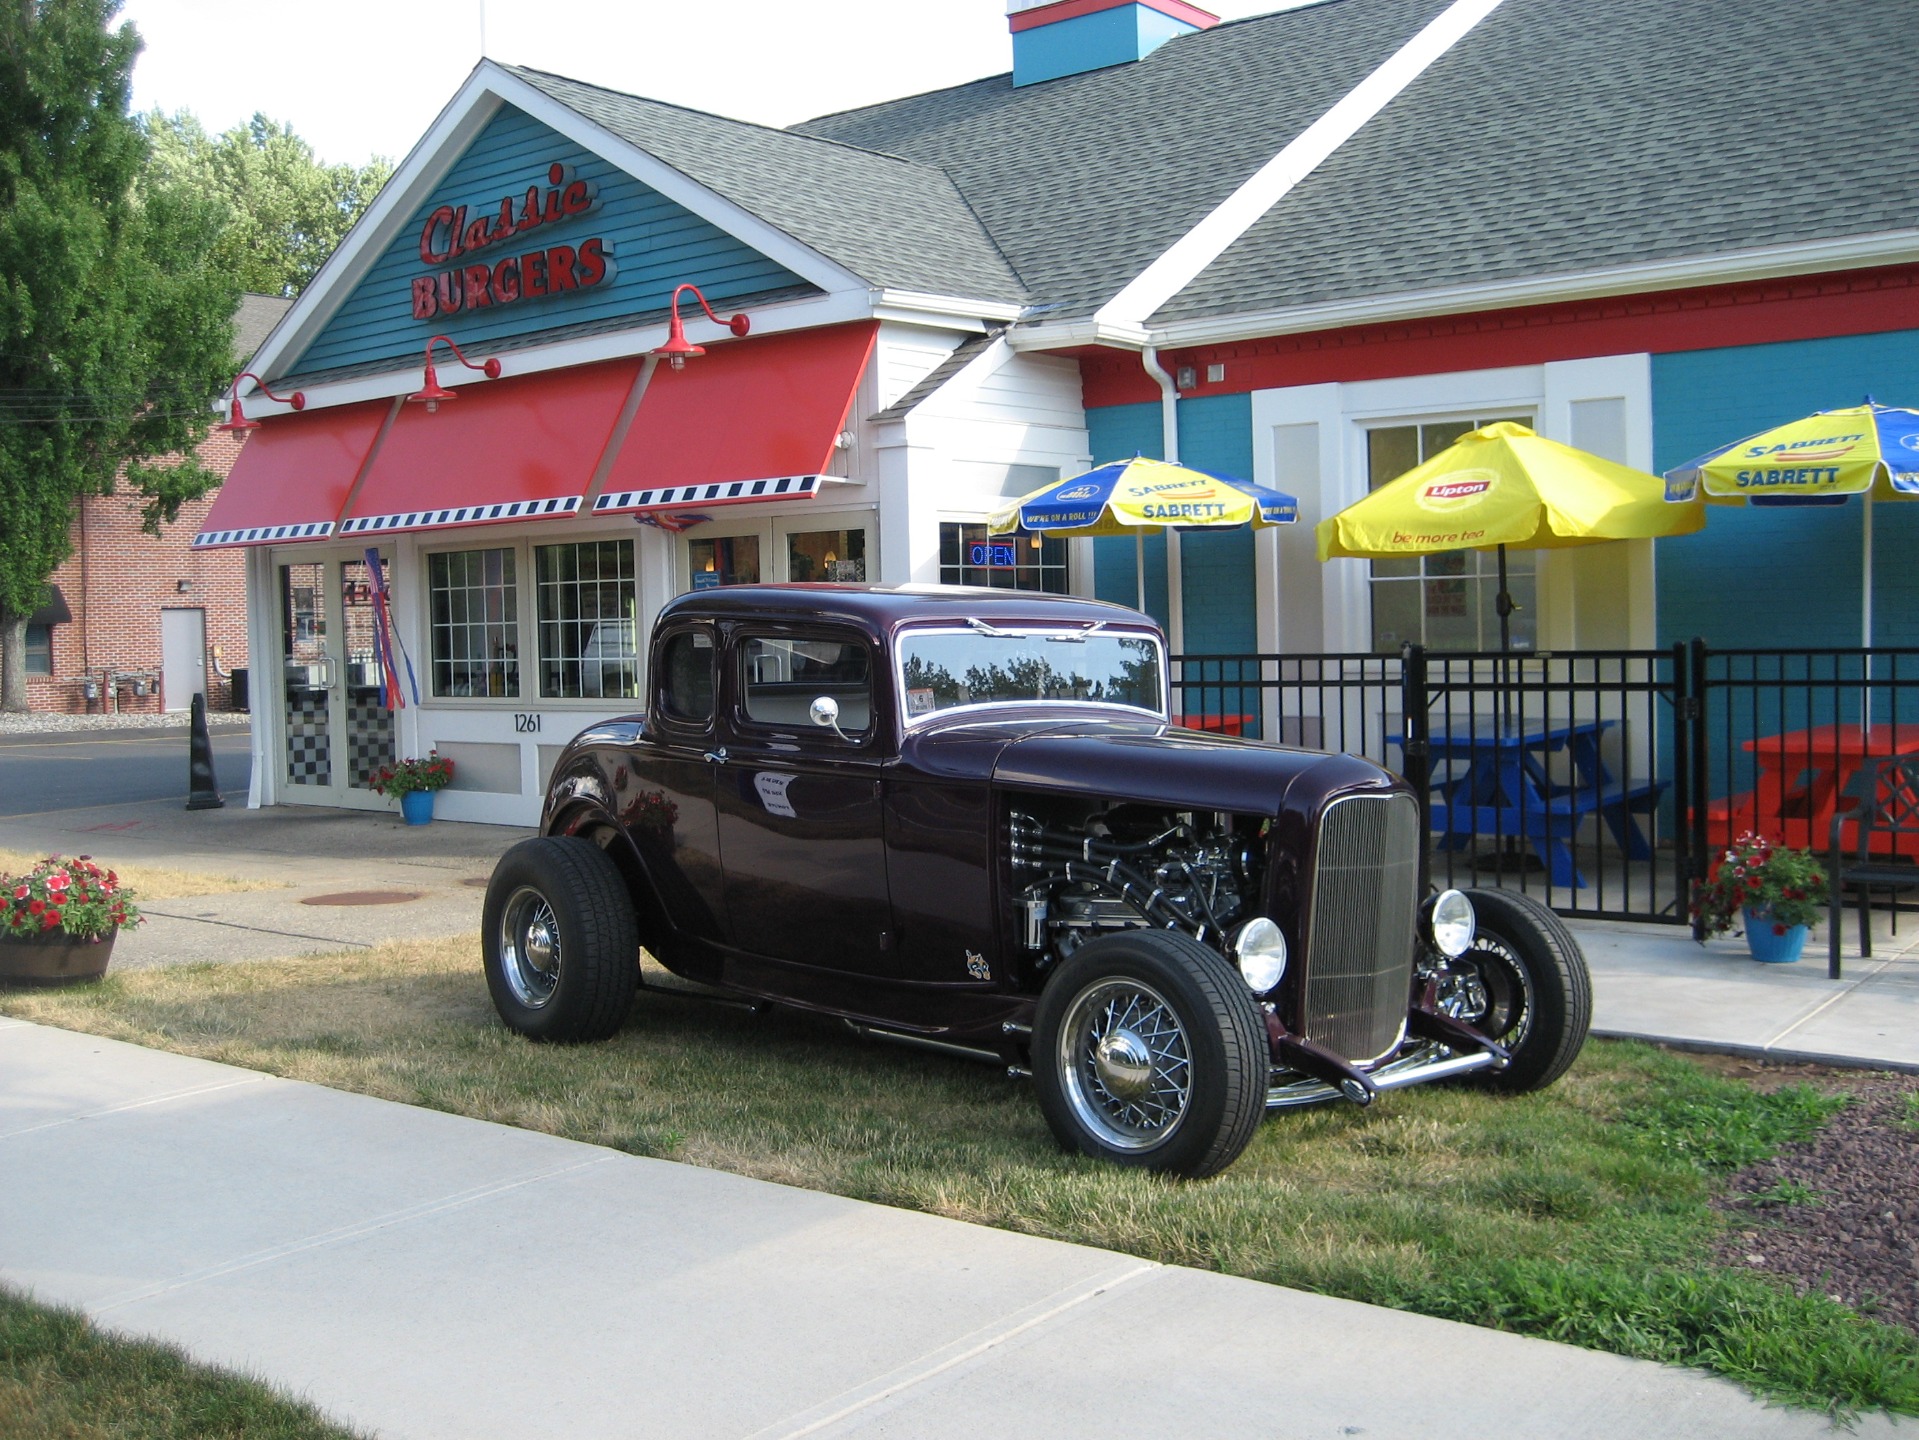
<point>44,772</point>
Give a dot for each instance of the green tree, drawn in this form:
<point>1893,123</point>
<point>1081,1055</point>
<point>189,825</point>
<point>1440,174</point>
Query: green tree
<point>287,211</point>
<point>116,329</point>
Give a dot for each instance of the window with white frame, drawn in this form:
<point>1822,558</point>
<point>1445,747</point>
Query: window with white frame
<point>586,603</point>
<point>969,555</point>
<point>1444,601</point>
<point>474,616</point>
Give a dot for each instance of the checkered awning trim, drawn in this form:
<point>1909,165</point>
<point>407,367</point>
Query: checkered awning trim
<point>724,492</point>
<point>263,534</point>
<point>464,515</point>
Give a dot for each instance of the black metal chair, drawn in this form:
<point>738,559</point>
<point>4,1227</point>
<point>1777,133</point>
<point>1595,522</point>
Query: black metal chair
<point>1884,801</point>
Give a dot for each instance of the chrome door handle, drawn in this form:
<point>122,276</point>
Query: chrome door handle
<point>716,757</point>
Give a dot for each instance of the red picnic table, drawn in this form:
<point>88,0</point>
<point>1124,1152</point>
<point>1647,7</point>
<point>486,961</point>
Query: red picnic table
<point>1224,724</point>
<point>1801,775</point>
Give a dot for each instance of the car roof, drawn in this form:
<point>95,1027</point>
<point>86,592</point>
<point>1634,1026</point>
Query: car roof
<point>883,608</point>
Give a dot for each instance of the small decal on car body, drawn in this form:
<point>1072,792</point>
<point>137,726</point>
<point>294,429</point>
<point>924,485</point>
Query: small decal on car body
<point>977,968</point>
<point>772,786</point>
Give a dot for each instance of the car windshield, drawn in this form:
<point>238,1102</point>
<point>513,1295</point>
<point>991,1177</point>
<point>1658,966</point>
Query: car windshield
<point>944,669</point>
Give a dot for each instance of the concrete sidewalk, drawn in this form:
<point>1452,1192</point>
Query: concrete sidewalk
<point>1651,982</point>
<point>422,1275</point>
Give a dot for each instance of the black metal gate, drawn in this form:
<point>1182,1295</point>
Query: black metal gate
<point>1559,774</point>
<point>1602,781</point>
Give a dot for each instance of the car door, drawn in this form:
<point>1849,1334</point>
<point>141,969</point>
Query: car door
<point>800,817</point>
<point>666,795</point>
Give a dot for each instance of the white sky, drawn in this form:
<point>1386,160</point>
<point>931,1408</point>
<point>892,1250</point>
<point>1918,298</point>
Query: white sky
<point>363,77</point>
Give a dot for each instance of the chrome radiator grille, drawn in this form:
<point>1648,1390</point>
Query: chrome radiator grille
<point>1359,949</point>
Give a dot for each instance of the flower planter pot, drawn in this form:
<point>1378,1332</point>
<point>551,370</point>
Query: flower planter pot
<point>59,959</point>
<point>417,807</point>
<point>1770,948</point>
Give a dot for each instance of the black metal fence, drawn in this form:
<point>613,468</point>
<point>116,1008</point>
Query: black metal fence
<point>1601,781</point>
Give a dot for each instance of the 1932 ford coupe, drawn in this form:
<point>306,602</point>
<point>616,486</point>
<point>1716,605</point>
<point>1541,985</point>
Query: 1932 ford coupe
<point>961,818</point>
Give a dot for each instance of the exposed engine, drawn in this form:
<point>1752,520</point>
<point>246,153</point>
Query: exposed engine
<point>1128,868</point>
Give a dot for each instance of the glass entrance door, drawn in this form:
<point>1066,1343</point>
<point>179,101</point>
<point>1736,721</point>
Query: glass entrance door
<point>336,732</point>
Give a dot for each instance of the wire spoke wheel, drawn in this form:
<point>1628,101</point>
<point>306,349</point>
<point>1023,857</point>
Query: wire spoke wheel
<point>1127,1063</point>
<point>1523,982</point>
<point>1148,1050</point>
<point>530,947</point>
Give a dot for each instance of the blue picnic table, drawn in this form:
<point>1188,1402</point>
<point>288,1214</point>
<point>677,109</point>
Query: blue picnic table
<point>1490,777</point>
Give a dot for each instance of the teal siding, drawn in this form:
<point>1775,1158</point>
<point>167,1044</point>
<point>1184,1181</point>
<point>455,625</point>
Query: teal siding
<point>1091,42</point>
<point>1119,432</point>
<point>1215,433</point>
<point>654,245</point>
<point>1783,578</point>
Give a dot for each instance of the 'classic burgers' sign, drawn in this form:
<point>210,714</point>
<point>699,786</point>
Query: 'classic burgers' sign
<point>450,236</point>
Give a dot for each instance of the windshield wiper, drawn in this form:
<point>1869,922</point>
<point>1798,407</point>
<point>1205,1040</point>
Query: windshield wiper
<point>1078,637</point>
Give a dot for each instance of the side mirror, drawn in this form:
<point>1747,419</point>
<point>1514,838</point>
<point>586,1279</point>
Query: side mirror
<point>826,711</point>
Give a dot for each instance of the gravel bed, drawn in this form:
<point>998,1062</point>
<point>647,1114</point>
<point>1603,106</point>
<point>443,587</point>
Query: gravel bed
<point>36,722</point>
<point>1840,1213</point>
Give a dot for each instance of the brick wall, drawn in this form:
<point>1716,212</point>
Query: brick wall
<point>120,578</point>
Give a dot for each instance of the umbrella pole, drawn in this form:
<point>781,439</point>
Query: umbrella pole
<point>1865,623</point>
<point>1139,564</point>
<point>1504,605</point>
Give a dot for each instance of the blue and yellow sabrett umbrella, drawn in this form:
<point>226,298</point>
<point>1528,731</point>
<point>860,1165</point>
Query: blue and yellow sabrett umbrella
<point>1867,450</point>
<point>1129,497</point>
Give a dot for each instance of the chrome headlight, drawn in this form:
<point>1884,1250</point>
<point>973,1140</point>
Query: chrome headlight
<point>1451,923</point>
<point>1260,949</point>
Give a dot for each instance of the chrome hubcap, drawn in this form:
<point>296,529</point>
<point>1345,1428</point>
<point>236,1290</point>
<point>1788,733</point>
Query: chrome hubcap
<point>530,947</point>
<point>1125,1064</point>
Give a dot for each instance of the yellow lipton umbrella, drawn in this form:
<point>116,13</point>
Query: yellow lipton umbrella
<point>1503,485</point>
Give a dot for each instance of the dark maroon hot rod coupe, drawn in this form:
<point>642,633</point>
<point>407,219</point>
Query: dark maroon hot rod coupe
<point>960,818</point>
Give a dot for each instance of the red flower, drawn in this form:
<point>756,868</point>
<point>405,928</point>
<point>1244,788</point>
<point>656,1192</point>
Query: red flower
<point>1777,928</point>
<point>52,922</point>
<point>34,907</point>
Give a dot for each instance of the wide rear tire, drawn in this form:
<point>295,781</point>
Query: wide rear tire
<point>559,940</point>
<point>1149,1051</point>
<point>1531,989</point>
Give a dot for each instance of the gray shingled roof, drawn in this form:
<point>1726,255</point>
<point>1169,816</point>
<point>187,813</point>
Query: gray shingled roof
<point>893,222</point>
<point>1565,136</point>
<point>1085,180</point>
<point>254,321</point>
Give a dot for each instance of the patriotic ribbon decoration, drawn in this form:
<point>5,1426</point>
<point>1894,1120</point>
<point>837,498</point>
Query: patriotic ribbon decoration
<point>386,639</point>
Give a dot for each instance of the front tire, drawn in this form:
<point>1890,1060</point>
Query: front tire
<point>1524,983</point>
<point>560,942</point>
<point>1149,1051</point>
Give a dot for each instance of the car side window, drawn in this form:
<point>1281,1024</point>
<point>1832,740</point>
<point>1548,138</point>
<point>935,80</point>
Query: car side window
<point>686,678</point>
<point>781,678</point>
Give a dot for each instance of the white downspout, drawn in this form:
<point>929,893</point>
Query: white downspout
<point>1169,452</point>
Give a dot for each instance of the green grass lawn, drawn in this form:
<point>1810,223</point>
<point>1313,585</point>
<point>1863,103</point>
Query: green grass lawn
<point>61,1379</point>
<point>1579,1213</point>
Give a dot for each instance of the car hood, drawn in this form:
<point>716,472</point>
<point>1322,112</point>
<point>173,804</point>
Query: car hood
<point>1143,761</point>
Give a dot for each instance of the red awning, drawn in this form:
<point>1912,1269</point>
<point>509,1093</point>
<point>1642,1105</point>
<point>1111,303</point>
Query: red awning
<point>515,449</point>
<point>292,477</point>
<point>750,420</point>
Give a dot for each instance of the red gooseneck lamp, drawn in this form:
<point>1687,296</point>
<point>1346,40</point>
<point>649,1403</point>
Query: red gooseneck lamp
<point>677,347</point>
<point>432,393</point>
<point>237,418</point>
